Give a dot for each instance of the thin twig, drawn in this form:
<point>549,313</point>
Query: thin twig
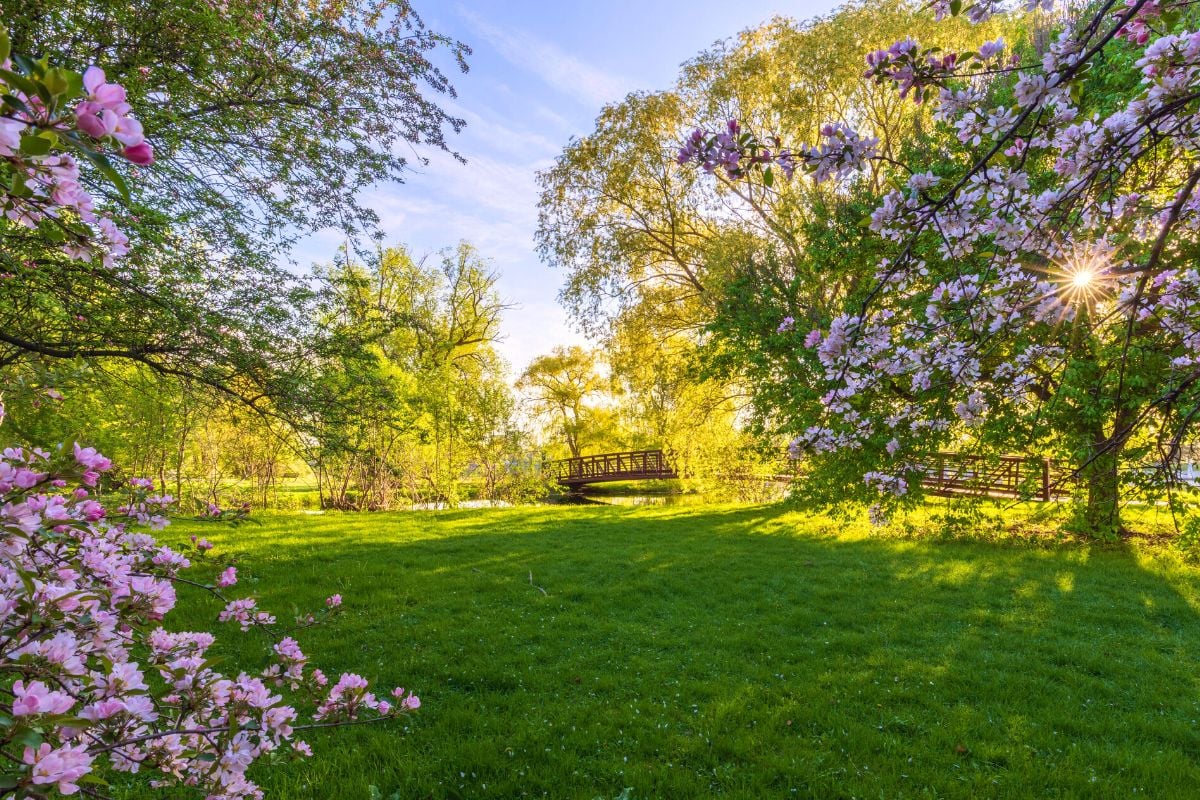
<point>534,585</point>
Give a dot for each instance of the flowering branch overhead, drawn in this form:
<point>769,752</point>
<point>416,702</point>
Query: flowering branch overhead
<point>1068,215</point>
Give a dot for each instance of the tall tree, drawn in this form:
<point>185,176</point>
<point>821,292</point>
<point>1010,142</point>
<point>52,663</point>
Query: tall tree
<point>1037,286</point>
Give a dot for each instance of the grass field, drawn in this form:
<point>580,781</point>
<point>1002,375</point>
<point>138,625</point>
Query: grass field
<point>733,652</point>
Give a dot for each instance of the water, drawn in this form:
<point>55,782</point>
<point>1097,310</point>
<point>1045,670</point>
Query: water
<point>442,506</point>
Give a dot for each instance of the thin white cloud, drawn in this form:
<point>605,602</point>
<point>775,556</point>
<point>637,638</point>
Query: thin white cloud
<point>491,132</point>
<point>584,82</point>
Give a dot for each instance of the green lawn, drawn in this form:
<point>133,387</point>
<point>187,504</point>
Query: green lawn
<point>750,653</point>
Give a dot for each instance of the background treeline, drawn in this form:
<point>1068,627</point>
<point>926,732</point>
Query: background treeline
<point>401,399</point>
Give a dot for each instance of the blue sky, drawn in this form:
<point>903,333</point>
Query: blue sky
<point>539,75</point>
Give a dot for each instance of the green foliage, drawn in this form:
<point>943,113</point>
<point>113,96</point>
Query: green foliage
<point>739,653</point>
<point>399,398</point>
<point>563,386</point>
<point>267,122</point>
<point>413,391</point>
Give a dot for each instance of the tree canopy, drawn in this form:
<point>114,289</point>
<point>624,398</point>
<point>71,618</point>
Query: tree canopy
<point>266,123</point>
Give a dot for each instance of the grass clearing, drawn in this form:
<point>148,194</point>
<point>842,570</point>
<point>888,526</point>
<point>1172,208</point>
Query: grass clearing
<point>734,652</point>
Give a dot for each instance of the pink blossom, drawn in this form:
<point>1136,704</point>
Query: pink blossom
<point>103,709</point>
<point>36,698</point>
<point>141,154</point>
<point>989,50</point>
<point>88,457</point>
<point>95,121</point>
<point>109,96</point>
<point>407,701</point>
<point>10,136</point>
<point>61,767</point>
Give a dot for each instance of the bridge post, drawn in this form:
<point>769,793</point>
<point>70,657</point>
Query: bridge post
<point>1045,480</point>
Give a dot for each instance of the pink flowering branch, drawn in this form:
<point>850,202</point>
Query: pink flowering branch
<point>51,117</point>
<point>82,590</point>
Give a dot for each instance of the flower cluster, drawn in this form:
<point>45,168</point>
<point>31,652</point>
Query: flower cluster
<point>918,72</point>
<point>105,113</point>
<point>842,151</point>
<point>1137,30</point>
<point>97,680</point>
<point>736,152</point>
<point>905,65</point>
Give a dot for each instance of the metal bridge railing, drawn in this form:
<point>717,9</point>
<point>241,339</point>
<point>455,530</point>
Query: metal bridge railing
<point>632,465</point>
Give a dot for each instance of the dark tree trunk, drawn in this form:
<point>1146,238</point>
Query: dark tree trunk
<point>1102,476</point>
<point>1102,514</point>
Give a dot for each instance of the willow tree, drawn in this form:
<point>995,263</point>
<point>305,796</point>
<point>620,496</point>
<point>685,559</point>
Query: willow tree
<point>629,228</point>
<point>564,386</point>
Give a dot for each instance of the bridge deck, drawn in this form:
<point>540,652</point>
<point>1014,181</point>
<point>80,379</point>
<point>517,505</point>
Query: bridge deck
<point>635,465</point>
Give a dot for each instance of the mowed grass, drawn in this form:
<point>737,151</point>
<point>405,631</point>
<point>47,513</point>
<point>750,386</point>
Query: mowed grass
<point>732,652</point>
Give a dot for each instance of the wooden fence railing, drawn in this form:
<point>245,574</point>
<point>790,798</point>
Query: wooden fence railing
<point>1027,477</point>
<point>630,466</point>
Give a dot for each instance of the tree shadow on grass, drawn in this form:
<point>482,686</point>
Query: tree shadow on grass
<point>746,653</point>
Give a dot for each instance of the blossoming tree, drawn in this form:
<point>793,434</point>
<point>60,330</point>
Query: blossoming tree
<point>1041,287</point>
<point>94,683</point>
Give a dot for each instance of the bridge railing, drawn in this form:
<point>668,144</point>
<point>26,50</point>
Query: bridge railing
<point>646,463</point>
<point>956,474</point>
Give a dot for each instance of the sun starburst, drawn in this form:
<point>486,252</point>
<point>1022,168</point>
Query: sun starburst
<point>1082,278</point>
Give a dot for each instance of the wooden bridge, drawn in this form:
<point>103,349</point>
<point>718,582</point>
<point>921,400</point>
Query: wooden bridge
<point>638,465</point>
<point>1020,477</point>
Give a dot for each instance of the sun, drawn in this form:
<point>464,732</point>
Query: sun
<point>1082,278</point>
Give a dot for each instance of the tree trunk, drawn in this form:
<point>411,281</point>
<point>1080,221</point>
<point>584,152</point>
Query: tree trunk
<point>1102,514</point>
